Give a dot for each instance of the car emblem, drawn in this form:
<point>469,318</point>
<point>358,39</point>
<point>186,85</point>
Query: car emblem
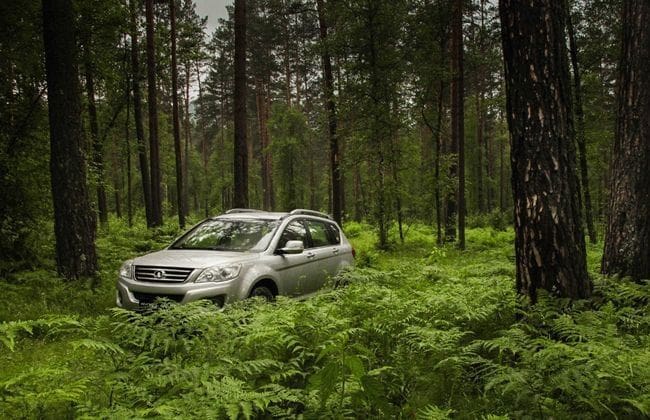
<point>160,274</point>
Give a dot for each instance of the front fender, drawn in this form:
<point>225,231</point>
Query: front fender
<point>254,275</point>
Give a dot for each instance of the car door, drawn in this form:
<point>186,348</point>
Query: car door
<point>325,250</point>
<point>293,269</point>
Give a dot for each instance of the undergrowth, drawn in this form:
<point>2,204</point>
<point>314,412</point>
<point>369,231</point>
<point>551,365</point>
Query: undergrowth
<point>419,331</point>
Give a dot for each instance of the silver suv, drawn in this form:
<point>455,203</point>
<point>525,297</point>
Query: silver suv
<point>240,254</point>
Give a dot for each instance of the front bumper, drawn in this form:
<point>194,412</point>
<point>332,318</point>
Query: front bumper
<point>134,294</point>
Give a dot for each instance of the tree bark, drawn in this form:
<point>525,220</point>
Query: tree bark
<point>97,146</point>
<point>328,80</point>
<point>438,140</point>
<point>154,148</point>
<point>479,140</point>
<point>265,154</point>
<point>137,114</point>
<point>240,198</point>
<point>549,242</point>
<point>580,130</point>
<point>187,127</point>
<point>457,111</point>
<point>74,223</point>
<point>180,190</point>
<point>204,144</point>
<point>627,238</point>
<point>127,136</point>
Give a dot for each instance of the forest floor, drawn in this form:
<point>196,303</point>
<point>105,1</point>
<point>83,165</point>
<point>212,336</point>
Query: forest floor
<point>419,331</point>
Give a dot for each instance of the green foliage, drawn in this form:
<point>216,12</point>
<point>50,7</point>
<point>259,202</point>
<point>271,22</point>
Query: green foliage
<point>289,136</point>
<point>424,332</point>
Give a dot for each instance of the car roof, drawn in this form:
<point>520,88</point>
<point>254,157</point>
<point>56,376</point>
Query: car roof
<point>247,214</point>
<point>253,215</point>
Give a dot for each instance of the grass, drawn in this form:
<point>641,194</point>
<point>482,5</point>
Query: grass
<point>420,331</point>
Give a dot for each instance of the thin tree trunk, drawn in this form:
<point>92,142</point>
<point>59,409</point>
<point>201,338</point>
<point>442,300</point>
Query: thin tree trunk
<point>97,146</point>
<point>358,195</point>
<point>265,154</point>
<point>240,149</point>
<point>627,239</point>
<point>154,149</point>
<point>204,144</point>
<point>137,113</point>
<point>457,125</point>
<point>438,140</point>
<point>328,80</point>
<point>180,190</point>
<point>127,137</point>
<point>479,140</point>
<point>502,178</point>
<point>580,130</point>
<point>187,125</point>
<point>287,55</point>
<point>74,223</point>
<point>490,184</point>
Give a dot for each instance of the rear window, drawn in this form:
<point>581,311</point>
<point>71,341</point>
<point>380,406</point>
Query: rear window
<point>334,234</point>
<point>323,234</point>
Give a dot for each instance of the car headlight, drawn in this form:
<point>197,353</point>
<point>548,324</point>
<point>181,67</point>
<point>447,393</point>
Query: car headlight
<point>219,273</point>
<point>126,270</point>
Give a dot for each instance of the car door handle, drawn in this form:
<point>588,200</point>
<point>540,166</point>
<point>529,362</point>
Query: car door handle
<point>335,251</point>
<point>310,255</point>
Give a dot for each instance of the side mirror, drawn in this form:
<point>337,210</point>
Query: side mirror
<point>292,247</point>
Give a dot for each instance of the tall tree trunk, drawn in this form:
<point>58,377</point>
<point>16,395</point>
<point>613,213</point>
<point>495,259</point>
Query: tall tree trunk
<point>97,146</point>
<point>580,130</point>
<point>137,113</point>
<point>240,198</point>
<point>127,137</point>
<point>187,126</point>
<point>154,148</point>
<point>359,209</point>
<point>490,184</point>
<point>204,144</point>
<point>180,190</point>
<point>627,239</point>
<point>438,140</point>
<point>328,79</point>
<point>479,151</point>
<point>502,177</point>
<point>265,154</point>
<point>457,123</point>
<point>287,53</point>
<point>549,242</point>
<point>74,223</point>
<point>480,114</point>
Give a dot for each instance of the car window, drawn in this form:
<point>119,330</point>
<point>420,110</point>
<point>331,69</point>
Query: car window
<point>334,235</point>
<point>295,231</point>
<point>320,235</point>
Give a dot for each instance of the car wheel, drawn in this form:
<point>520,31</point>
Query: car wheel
<point>263,292</point>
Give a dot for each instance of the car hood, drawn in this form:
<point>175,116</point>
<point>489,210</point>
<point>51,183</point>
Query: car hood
<point>192,258</point>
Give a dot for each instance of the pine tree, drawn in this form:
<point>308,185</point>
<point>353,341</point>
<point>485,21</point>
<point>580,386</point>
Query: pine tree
<point>549,242</point>
<point>240,198</point>
<point>627,239</point>
<point>74,223</point>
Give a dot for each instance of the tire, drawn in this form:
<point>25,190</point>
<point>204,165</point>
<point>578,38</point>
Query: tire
<point>263,292</point>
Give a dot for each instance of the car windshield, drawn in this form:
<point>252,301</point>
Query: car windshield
<point>229,235</point>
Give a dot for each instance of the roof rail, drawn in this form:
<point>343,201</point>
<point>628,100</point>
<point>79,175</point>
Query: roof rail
<point>231,211</point>
<point>311,213</point>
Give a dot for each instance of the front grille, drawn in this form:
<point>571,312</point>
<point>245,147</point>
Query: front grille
<point>162,274</point>
<point>150,298</point>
